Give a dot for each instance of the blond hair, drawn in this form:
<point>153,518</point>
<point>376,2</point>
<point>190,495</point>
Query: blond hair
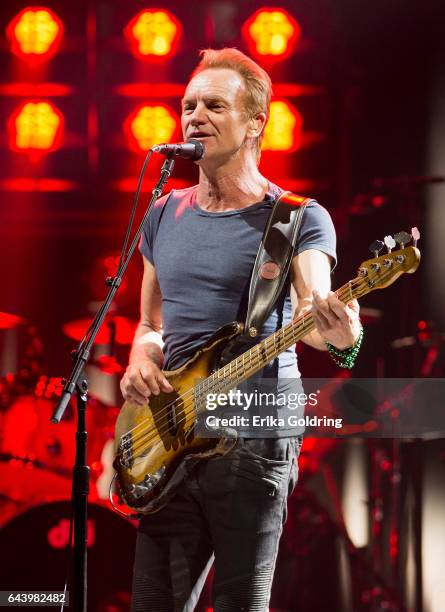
<point>257,81</point>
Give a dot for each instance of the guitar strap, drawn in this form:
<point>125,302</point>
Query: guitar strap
<point>273,259</point>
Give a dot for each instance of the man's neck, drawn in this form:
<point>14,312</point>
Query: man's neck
<point>225,189</point>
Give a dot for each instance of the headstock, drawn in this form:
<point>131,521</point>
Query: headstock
<point>381,271</point>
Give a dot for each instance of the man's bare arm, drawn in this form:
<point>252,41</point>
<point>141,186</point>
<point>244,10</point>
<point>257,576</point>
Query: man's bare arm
<point>143,375</point>
<point>335,322</point>
<point>311,270</point>
<point>151,320</point>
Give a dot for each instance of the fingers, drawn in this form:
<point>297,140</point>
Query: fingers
<point>139,380</point>
<point>331,310</point>
<point>321,323</point>
<point>130,394</point>
<point>155,379</point>
<point>337,306</point>
<point>149,376</point>
<point>142,380</point>
<point>166,385</point>
<point>326,311</point>
<point>133,387</point>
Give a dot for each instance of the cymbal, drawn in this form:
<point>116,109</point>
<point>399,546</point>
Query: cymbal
<point>9,321</point>
<point>107,365</point>
<point>124,329</point>
<point>421,339</point>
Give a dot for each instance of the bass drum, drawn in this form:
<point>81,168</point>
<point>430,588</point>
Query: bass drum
<point>36,456</point>
<point>27,432</point>
<point>35,548</point>
<point>25,483</point>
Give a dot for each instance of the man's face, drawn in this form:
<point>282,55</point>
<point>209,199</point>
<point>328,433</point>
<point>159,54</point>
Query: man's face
<point>213,111</point>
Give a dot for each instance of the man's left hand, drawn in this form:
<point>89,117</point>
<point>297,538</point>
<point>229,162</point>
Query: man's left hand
<point>337,323</point>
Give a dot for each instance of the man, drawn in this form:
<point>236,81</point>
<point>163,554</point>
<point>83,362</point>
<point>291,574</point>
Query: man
<point>199,247</point>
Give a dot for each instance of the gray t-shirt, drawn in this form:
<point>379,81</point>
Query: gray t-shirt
<point>204,261</point>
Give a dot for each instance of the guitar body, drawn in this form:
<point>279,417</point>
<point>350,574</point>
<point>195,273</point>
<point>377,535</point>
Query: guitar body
<point>154,440</point>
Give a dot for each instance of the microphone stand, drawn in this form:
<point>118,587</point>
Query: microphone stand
<point>78,383</point>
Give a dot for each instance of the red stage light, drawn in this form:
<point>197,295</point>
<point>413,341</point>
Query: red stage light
<point>149,90</point>
<point>35,34</point>
<point>36,126</point>
<point>271,33</point>
<point>35,90</point>
<point>150,125</point>
<point>41,184</point>
<point>283,131</point>
<point>153,34</point>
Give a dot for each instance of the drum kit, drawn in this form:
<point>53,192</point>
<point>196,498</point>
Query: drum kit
<point>30,445</point>
<point>36,460</point>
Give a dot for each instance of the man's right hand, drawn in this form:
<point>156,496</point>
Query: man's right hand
<point>143,378</point>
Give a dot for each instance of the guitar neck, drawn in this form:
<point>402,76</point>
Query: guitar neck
<point>253,360</point>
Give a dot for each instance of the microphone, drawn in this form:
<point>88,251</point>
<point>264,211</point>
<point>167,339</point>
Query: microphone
<point>192,149</point>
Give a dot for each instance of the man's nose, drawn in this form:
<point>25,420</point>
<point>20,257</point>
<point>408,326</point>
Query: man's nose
<point>198,116</point>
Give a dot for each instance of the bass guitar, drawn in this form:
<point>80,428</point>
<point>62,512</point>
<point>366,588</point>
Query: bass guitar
<point>156,444</point>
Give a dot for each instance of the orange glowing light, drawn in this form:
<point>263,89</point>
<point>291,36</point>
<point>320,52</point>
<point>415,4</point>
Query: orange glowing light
<point>153,34</point>
<point>36,126</point>
<point>283,131</point>
<point>35,33</point>
<point>150,125</point>
<point>271,33</point>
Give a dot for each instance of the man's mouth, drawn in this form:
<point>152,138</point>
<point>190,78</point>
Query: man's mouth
<point>199,135</point>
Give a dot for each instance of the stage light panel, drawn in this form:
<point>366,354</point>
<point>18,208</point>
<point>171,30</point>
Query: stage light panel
<point>35,34</point>
<point>271,33</point>
<point>150,125</point>
<point>283,131</point>
<point>153,34</point>
<point>36,126</point>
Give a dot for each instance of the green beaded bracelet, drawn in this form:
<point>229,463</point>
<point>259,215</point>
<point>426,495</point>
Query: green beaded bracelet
<point>346,358</point>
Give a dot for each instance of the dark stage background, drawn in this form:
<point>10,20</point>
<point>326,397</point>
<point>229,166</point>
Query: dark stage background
<point>367,88</point>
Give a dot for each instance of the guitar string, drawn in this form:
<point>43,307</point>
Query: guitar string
<point>141,435</point>
<point>189,408</point>
<point>225,380</point>
<point>216,375</point>
<point>216,379</point>
<point>140,447</point>
<point>218,385</point>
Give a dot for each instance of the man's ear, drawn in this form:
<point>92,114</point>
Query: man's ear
<point>256,125</point>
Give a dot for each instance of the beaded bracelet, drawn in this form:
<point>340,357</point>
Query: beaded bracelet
<point>346,358</point>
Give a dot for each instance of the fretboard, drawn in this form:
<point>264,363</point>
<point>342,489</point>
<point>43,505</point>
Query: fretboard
<point>253,360</point>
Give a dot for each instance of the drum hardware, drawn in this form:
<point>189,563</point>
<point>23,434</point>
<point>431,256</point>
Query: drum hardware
<point>36,457</point>
<point>108,365</point>
<point>10,321</point>
<point>116,329</point>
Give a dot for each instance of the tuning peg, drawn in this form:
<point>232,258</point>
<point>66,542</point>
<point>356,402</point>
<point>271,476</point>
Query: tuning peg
<point>402,238</point>
<point>415,234</point>
<point>390,243</point>
<point>375,247</point>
